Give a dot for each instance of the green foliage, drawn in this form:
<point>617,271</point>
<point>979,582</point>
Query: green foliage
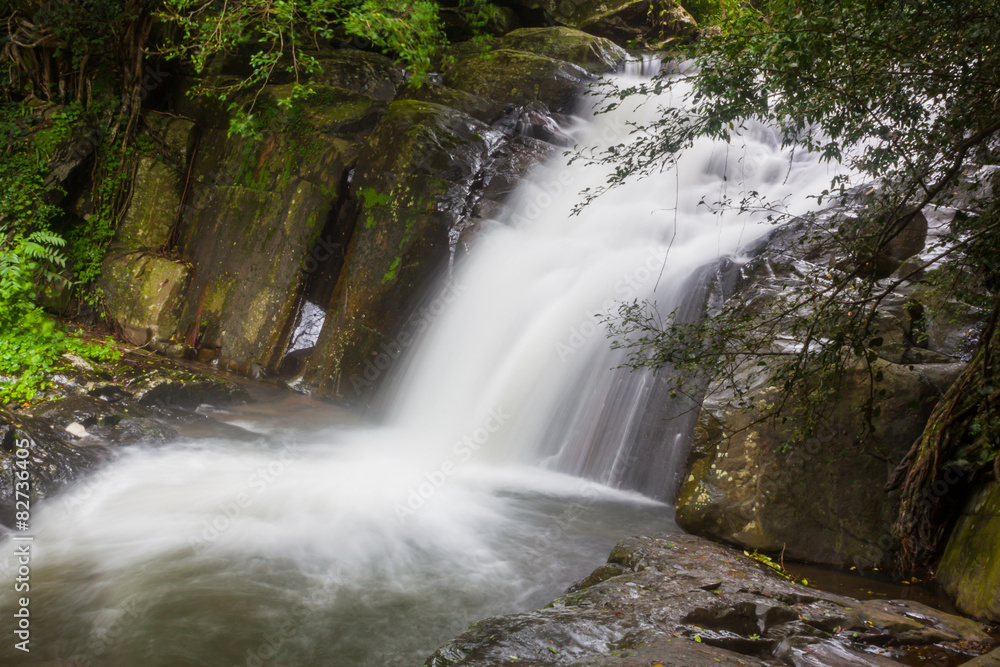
<point>89,241</point>
<point>281,39</point>
<point>904,92</point>
<point>32,344</point>
<point>710,12</point>
<point>32,348</point>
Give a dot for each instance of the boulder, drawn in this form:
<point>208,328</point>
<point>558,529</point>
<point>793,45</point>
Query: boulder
<point>50,456</point>
<point>681,600</point>
<point>412,185</point>
<point>517,77</point>
<point>180,389</point>
<point>480,108</point>
<point>820,500</point>
<point>595,54</point>
<point>144,294</point>
<point>992,659</point>
<point>631,23</point>
<point>970,567</point>
<point>253,216</point>
<point>910,241</point>
<point>362,72</point>
<point>106,421</point>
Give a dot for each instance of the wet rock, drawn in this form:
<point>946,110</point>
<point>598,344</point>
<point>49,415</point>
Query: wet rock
<point>820,500</point>
<point>363,72</point>
<point>630,23</point>
<point>180,389</point>
<point>120,424</point>
<point>908,242</point>
<point>480,108</point>
<point>594,54</point>
<point>49,456</point>
<point>970,567</point>
<point>681,600</point>
<point>252,219</point>
<point>517,77</point>
<point>412,185</point>
<point>144,294</point>
<point>992,659</point>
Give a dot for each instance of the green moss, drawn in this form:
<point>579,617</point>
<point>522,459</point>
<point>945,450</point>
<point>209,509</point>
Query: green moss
<point>391,273</point>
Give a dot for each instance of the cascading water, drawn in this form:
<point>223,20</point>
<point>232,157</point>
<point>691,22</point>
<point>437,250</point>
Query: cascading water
<point>490,489</point>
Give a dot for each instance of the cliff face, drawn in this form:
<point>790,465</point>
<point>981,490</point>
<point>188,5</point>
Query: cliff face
<point>303,252</point>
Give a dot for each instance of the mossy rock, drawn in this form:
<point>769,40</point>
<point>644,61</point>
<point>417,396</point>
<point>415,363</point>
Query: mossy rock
<point>820,500</point>
<point>180,389</point>
<point>362,72</point>
<point>254,212</point>
<point>144,294</point>
<point>410,189</point>
<point>970,567</point>
<point>480,108</point>
<point>595,54</point>
<point>518,77</point>
<point>328,110</point>
<point>629,23</point>
<point>53,459</point>
<point>249,248</point>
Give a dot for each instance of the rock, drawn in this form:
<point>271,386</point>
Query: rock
<point>595,54</point>
<point>412,185</point>
<point>358,72</point>
<point>179,389</point>
<point>102,421</point>
<point>680,600</point>
<point>460,23</point>
<point>158,186</point>
<point>363,72</point>
<point>144,294</point>
<point>992,659</point>
<point>480,108</point>
<point>947,326</point>
<point>908,242</point>
<point>821,500</point>
<point>655,24</point>
<point>650,24</point>
<point>970,567</point>
<point>253,217</point>
<point>336,111</point>
<point>517,77</point>
<point>50,459</point>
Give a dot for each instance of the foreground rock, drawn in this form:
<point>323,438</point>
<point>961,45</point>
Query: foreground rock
<point>90,411</point>
<point>761,484</point>
<point>820,500</point>
<point>681,600</point>
<point>970,568</point>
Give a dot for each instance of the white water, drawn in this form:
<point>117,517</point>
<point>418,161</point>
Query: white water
<point>361,545</point>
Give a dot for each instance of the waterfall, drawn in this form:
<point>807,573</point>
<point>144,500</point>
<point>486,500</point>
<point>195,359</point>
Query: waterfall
<point>514,452</point>
<point>522,328</point>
